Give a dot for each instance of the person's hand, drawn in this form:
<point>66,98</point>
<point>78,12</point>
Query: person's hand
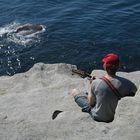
<point>91,79</point>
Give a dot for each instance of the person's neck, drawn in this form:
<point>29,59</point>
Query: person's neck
<point>109,76</point>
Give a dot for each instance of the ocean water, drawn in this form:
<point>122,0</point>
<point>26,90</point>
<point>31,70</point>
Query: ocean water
<point>78,32</point>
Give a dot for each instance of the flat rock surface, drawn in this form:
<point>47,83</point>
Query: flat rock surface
<point>28,100</point>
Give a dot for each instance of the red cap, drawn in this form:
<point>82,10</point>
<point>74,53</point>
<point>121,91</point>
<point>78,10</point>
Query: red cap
<point>111,60</point>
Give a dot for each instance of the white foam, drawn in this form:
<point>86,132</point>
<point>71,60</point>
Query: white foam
<point>8,28</point>
<point>8,31</point>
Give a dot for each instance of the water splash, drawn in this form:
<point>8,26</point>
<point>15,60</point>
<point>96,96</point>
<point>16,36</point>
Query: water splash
<point>12,44</point>
<point>8,33</point>
<point>8,28</point>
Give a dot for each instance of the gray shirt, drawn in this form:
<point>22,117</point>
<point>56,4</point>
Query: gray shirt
<point>106,100</point>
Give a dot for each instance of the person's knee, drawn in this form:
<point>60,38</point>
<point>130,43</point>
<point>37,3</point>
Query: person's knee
<point>74,92</point>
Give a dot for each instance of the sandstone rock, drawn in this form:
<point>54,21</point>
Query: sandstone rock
<point>28,100</point>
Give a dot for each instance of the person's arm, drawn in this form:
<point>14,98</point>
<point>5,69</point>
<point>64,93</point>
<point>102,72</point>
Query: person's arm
<point>90,97</point>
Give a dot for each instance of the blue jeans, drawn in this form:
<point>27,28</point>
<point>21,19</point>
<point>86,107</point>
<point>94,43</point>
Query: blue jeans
<point>81,100</point>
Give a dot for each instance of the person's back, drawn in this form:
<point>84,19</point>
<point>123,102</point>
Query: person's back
<point>104,94</point>
<point>106,100</point>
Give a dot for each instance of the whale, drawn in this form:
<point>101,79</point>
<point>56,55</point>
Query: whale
<point>28,29</point>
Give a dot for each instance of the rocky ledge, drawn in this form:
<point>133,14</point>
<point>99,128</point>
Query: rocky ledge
<point>28,100</point>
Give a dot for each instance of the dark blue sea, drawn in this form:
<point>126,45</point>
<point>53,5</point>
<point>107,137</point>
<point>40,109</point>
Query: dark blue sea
<point>78,32</point>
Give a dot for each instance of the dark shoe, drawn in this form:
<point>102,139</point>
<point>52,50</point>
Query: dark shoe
<point>55,113</point>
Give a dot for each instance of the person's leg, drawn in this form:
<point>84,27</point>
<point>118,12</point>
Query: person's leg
<point>81,100</point>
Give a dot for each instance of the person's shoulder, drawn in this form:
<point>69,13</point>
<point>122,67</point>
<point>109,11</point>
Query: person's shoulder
<point>96,81</point>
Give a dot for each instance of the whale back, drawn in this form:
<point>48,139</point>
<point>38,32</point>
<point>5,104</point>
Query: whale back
<point>28,29</point>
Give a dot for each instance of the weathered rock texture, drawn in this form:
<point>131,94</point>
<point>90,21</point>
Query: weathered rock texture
<point>28,100</point>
